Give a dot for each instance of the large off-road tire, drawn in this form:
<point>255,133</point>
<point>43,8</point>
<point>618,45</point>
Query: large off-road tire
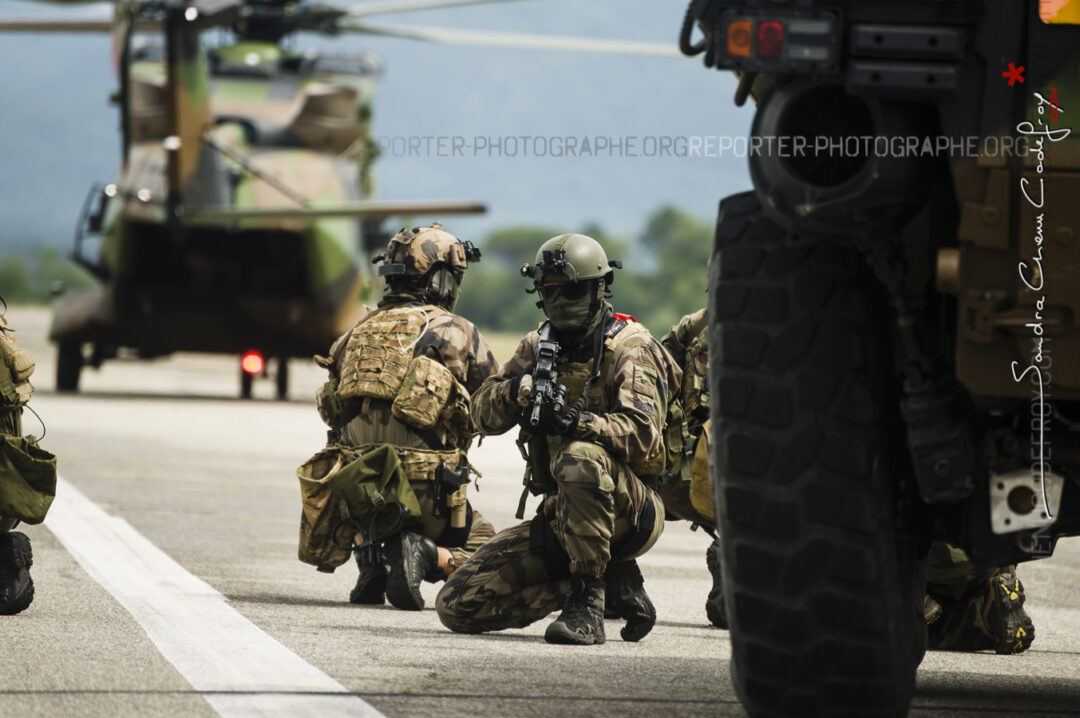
<point>69,364</point>
<point>823,597</point>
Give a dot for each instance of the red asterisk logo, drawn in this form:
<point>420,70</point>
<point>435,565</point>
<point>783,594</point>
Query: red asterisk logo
<point>1014,74</point>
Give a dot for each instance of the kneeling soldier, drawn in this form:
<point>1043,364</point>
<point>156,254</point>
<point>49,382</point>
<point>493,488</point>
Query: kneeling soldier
<point>591,391</point>
<point>27,476</point>
<point>403,377</point>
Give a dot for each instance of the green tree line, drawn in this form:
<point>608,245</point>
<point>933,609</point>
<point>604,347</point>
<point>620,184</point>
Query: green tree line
<point>663,275</point>
<point>30,279</point>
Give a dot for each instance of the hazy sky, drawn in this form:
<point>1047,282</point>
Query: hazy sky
<point>58,133</point>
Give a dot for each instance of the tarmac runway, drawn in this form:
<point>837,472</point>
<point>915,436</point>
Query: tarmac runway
<point>168,584</point>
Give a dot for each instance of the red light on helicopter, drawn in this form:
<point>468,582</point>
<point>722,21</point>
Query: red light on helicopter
<point>770,40</point>
<point>252,363</point>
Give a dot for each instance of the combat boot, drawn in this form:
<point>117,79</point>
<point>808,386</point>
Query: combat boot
<point>1006,620</point>
<point>370,588</point>
<point>714,604</point>
<point>412,558</point>
<point>16,586</point>
<point>624,595</point>
<point>581,622</point>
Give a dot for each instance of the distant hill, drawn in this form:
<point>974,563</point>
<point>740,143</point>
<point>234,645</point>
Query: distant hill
<point>58,133</point>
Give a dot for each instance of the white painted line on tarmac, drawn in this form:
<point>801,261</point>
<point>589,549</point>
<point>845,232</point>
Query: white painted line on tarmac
<point>240,670</point>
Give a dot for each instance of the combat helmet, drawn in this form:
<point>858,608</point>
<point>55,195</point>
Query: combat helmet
<point>572,274</point>
<point>428,262</point>
<point>415,251</point>
<point>576,256</point>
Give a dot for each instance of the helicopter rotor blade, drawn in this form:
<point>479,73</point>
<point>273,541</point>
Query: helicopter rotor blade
<point>414,5</point>
<point>53,25</point>
<point>484,38</point>
<point>358,210</point>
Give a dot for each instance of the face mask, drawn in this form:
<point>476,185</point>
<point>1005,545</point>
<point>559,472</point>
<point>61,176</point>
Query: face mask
<point>443,287</point>
<point>568,306</point>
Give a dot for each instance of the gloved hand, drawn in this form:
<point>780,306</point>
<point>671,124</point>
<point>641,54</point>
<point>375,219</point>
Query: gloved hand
<point>566,421</point>
<point>521,386</point>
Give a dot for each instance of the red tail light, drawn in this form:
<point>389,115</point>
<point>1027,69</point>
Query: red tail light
<point>770,40</point>
<point>252,363</point>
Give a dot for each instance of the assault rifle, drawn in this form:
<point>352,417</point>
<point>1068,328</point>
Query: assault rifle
<point>546,393</point>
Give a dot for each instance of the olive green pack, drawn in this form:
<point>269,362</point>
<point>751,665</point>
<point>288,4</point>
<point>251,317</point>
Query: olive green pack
<point>27,479</point>
<point>345,490</point>
<point>27,472</point>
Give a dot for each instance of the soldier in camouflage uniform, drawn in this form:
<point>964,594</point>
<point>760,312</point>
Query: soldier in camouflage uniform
<point>966,610</point>
<point>688,495</point>
<point>366,403</point>
<point>971,610</point>
<point>590,458</point>
<point>27,476</point>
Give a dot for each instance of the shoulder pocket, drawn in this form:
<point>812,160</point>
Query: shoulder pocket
<point>645,378</point>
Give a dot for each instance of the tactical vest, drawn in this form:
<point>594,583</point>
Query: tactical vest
<point>380,362</point>
<point>574,375</point>
<point>379,351</point>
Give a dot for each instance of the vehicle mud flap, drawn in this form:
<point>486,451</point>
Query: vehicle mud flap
<point>824,596</point>
<point>543,541</point>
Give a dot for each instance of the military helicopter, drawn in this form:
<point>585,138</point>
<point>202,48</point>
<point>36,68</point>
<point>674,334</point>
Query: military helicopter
<point>240,219</point>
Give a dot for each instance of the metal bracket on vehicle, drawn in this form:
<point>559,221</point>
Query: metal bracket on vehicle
<point>1016,500</point>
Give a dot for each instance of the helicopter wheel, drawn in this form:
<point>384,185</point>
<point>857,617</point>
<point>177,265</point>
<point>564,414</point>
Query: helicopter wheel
<point>69,364</point>
<point>246,383</point>
<point>282,378</point>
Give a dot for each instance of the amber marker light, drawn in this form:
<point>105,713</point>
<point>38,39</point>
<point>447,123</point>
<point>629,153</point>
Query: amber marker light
<point>740,37</point>
<point>252,362</point>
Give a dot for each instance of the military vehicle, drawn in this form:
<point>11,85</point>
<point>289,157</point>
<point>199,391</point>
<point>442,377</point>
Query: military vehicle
<point>894,324</point>
<point>240,220</point>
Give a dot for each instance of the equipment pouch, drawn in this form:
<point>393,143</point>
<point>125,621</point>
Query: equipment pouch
<point>457,503</point>
<point>424,393</point>
<point>15,387</point>
<point>328,404</point>
<point>27,479</point>
<point>700,489</point>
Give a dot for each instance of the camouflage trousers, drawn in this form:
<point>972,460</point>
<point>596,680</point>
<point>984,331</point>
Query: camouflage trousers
<point>965,595</point>
<point>434,527</point>
<point>601,506</point>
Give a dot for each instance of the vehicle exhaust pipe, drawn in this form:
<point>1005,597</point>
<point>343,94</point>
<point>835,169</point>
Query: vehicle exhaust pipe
<point>835,158</point>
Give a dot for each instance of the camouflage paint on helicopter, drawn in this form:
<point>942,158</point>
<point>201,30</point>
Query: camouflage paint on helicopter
<point>252,128</point>
<point>233,222</point>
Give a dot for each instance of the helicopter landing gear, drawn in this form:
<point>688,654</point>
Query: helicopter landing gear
<point>282,378</point>
<point>251,364</point>
<point>246,383</point>
<point>69,364</point>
